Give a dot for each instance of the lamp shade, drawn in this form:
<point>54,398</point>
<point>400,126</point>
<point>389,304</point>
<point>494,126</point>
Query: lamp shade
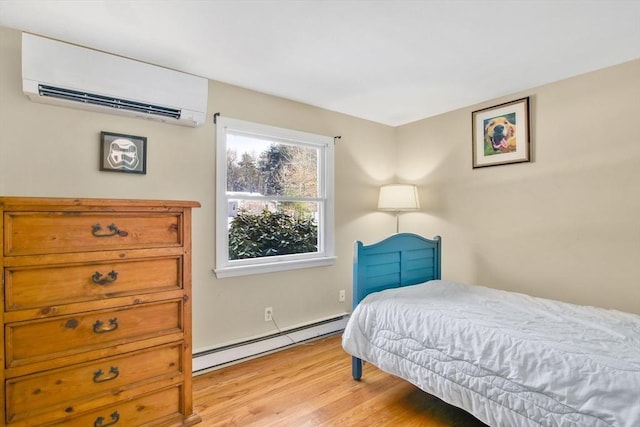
<point>398,197</point>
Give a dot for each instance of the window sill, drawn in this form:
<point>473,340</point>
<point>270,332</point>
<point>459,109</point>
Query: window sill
<point>272,267</point>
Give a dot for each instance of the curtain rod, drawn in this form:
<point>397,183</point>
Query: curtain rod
<point>215,121</point>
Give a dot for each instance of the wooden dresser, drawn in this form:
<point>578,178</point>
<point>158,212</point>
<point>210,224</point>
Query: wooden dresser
<point>97,312</point>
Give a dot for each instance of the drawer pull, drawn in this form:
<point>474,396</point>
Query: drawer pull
<point>99,279</point>
<point>115,417</point>
<point>100,328</point>
<point>96,230</point>
<point>114,373</point>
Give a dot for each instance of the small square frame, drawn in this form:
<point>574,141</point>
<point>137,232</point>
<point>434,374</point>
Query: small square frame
<point>501,134</point>
<point>123,153</point>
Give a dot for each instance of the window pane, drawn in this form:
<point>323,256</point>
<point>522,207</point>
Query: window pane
<point>259,228</point>
<point>274,199</point>
<point>271,168</point>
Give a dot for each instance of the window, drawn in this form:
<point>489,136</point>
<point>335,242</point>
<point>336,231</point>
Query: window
<point>274,199</point>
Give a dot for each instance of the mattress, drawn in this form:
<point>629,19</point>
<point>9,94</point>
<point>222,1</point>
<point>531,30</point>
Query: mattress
<point>507,358</point>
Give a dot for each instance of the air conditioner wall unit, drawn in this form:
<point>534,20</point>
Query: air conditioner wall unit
<point>63,74</point>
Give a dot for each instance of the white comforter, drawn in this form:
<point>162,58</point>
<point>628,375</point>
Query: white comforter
<point>509,359</point>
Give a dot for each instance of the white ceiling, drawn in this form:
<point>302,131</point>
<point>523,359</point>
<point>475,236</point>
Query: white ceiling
<point>391,62</point>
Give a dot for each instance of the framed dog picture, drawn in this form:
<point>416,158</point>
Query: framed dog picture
<point>501,134</point>
<point>123,153</point>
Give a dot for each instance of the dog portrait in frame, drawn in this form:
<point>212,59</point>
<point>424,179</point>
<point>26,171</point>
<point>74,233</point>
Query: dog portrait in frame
<point>501,134</point>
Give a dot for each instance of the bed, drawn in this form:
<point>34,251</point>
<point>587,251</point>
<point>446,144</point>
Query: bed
<point>507,358</point>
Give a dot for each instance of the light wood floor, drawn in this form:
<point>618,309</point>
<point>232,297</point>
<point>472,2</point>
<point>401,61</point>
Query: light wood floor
<point>311,385</point>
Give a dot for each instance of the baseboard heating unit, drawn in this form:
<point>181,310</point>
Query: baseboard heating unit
<point>204,361</point>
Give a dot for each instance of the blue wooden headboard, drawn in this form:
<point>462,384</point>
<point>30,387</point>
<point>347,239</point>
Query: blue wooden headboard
<point>400,260</point>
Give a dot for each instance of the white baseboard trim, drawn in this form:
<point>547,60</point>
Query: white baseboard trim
<point>205,361</point>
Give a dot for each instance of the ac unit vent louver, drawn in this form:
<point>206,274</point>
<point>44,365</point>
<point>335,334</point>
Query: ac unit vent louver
<point>106,101</point>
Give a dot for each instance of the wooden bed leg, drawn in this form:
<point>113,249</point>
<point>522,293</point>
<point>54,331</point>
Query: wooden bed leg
<point>356,368</point>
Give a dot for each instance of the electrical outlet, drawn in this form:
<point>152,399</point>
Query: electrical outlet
<point>341,295</point>
<point>268,314</point>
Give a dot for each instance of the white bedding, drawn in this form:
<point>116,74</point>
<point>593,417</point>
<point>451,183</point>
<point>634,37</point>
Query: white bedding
<point>509,359</point>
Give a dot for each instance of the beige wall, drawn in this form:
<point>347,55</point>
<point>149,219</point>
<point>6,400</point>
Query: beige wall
<point>53,151</point>
<point>565,226</point>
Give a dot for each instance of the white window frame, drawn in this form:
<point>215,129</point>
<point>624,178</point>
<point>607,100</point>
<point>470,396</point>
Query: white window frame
<point>326,227</point>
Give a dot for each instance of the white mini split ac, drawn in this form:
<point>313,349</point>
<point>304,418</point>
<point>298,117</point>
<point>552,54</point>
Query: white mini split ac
<point>63,74</point>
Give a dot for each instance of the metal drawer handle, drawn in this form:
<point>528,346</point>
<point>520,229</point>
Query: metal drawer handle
<point>98,279</point>
<point>113,231</point>
<point>99,327</point>
<point>115,373</point>
<point>115,417</point>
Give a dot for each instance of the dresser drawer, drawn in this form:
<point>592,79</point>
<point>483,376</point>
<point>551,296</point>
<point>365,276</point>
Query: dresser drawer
<point>35,393</point>
<point>33,233</point>
<point>44,286</point>
<point>143,410</point>
<point>56,337</point>
<point>135,412</point>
